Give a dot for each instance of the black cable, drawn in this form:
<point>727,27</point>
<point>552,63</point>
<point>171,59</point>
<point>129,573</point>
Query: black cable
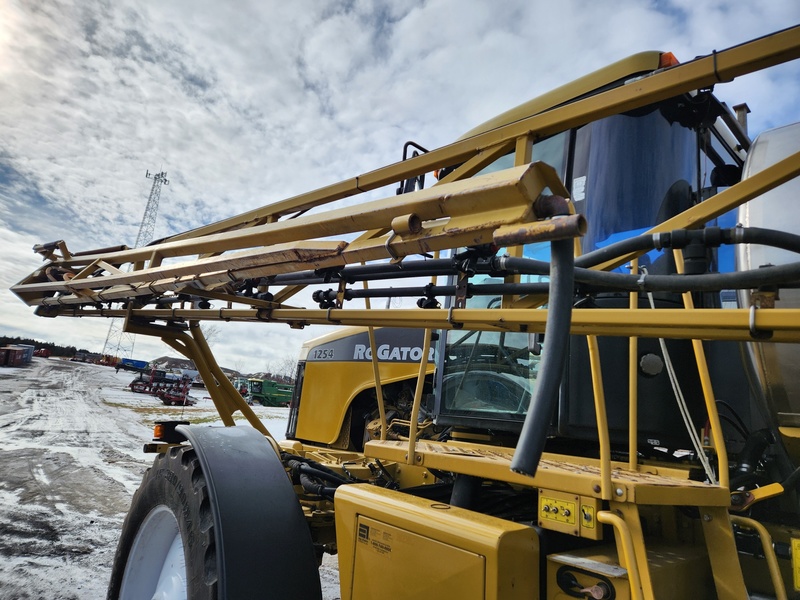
<point>735,415</point>
<point>791,482</point>
<point>742,432</point>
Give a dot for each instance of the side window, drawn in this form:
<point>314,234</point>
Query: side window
<point>552,151</point>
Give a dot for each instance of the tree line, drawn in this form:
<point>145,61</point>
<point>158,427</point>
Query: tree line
<point>55,349</point>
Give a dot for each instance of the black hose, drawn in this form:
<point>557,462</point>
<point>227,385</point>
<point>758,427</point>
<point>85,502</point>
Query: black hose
<point>754,447</point>
<point>615,250</point>
<point>782,275</point>
<point>312,479</point>
<point>325,476</point>
<point>680,238</point>
<point>584,274</point>
<point>543,403</point>
<point>300,463</point>
<point>710,236</point>
<point>312,487</point>
<point>770,275</point>
<point>490,289</point>
<point>353,273</point>
<point>766,237</point>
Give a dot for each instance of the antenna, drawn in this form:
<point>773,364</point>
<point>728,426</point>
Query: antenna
<point>151,210</point>
<point>119,343</point>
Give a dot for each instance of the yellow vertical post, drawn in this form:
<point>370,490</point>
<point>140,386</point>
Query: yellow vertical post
<point>602,419</point>
<point>378,388</point>
<point>376,373</point>
<point>708,390</point>
<point>721,545</point>
<point>522,156</point>
<point>423,370</point>
<point>633,383</point>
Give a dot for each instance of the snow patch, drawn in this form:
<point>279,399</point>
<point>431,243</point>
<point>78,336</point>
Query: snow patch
<point>71,438</point>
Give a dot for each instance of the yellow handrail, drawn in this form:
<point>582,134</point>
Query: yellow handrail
<point>769,553</point>
<point>626,553</point>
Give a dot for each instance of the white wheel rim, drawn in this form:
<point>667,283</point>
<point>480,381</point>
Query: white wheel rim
<point>156,567</point>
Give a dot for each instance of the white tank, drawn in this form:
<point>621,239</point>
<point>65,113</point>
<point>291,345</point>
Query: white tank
<point>777,366</point>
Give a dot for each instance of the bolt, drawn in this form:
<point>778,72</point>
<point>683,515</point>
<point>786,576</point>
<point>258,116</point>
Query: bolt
<point>596,488</point>
<point>707,518</point>
<point>619,491</point>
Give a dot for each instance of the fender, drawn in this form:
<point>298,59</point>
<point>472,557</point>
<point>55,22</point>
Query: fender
<point>266,552</point>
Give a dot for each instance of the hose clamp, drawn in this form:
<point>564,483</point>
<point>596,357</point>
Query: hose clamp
<point>450,319</point>
<point>755,333</point>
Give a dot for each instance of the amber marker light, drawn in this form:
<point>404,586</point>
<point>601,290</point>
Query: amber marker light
<point>667,59</point>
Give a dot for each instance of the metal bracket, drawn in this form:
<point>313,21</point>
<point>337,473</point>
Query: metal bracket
<point>460,300</point>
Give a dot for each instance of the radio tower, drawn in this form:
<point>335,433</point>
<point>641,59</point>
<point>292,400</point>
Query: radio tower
<point>119,343</point>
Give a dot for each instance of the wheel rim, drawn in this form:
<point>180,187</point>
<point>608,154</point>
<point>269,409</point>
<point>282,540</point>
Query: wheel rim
<point>156,566</point>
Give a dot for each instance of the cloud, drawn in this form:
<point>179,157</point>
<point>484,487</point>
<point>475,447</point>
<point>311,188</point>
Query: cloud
<point>254,102</point>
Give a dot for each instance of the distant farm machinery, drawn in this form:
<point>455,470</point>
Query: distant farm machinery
<point>172,389</point>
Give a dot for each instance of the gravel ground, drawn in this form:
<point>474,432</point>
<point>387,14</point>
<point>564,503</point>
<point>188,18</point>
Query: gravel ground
<point>71,438</point>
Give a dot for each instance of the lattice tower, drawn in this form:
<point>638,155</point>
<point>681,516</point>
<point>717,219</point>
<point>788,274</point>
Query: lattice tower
<point>119,343</point>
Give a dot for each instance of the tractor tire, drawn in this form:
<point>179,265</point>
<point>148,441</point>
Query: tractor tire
<point>218,520</point>
<point>166,549</point>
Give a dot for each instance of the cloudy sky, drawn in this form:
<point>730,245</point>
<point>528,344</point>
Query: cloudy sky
<point>247,102</point>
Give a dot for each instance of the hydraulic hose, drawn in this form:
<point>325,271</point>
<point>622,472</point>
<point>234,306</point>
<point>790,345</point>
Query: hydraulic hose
<point>615,250</point>
<point>545,398</point>
<point>313,469</point>
<point>584,274</point>
<point>770,275</point>
<point>312,487</point>
<point>319,474</point>
<point>680,238</point>
<point>782,275</point>
<point>754,447</point>
<point>710,237</point>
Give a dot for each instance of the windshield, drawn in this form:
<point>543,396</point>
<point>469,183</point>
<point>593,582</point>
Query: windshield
<point>487,373</point>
